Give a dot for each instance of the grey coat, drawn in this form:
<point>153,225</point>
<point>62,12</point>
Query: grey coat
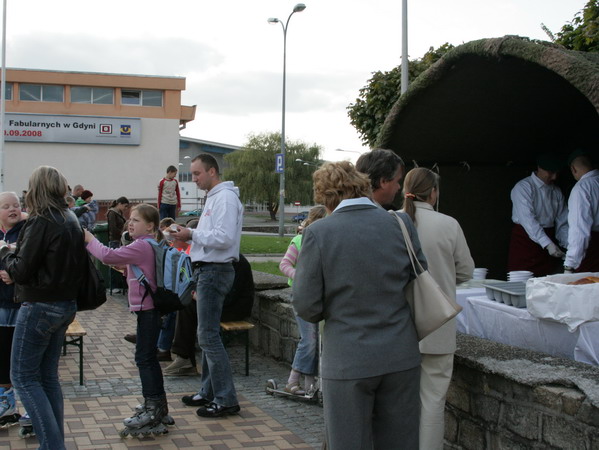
<point>351,273</point>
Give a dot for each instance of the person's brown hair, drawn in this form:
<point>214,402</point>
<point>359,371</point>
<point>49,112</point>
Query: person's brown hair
<point>47,191</point>
<point>317,212</point>
<point>418,186</point>
<point>151,215</point>
<point>337,181</point>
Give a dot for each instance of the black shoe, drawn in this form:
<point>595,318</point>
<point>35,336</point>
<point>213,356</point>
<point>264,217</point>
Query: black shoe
<point>214,410</point>
<point>190,401</point>
<point>164,355</point>
<point>131,338</point>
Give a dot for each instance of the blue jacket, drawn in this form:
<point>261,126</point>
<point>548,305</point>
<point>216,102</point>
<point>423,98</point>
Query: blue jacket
<point>7,291</point>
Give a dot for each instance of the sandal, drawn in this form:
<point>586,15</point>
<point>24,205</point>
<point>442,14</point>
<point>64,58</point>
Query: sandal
<point>295,389</point>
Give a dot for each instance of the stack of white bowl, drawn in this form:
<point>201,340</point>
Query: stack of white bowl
<point>479,273</point>
<point>519,275</point>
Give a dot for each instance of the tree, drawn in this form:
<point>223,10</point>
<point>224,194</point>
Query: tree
<point>375,100</point>
<point>583,32</point>
<point>253,170</point>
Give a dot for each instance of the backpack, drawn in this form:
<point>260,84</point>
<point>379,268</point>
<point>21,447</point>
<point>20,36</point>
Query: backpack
<point>174,278</point>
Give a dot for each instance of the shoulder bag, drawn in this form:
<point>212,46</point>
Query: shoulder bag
<point>92,292</point>
<point>431,308</point>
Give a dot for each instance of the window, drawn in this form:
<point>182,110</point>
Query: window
<point>141,97</point>
<point>41,93</point>
<point>8,91</point>
<point>95,95</point>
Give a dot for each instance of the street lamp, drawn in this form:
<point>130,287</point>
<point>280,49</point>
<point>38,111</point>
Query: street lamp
<point>297,8</point>
<point>306,163</point>
<point>348,151</point>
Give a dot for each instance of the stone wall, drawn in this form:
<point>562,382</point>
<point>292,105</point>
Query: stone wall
<point>501,397</point>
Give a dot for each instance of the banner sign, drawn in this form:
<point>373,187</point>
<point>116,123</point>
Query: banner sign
<point>72,129</point>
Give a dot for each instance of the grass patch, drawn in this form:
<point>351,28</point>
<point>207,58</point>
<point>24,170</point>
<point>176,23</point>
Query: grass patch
<point>252,245</point>
<point>271,267</point>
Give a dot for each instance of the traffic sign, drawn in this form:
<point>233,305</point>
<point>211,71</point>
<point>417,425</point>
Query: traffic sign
<point>297,203</point>
<point>279,163</point>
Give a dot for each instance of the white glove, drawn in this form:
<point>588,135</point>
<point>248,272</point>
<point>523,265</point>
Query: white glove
<point>554,251</point>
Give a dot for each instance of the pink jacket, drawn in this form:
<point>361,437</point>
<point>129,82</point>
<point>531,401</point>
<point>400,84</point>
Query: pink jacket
<point>138,253</point>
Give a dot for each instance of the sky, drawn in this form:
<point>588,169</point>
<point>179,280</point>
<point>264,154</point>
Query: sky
<point>232,58</point>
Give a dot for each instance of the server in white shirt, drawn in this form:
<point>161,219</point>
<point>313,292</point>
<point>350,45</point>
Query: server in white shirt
<point>583,216</point>
<point>540,220</point>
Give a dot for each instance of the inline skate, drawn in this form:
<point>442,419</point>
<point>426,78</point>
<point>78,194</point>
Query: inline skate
<point>167,419</point>
<point>8,408</point>
<point>26,426</point>
<point>147,420</point>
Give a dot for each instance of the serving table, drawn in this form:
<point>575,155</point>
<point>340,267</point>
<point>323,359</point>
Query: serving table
<point>509,325</point>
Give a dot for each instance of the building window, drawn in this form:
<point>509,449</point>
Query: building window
<point>95,95</point>
<point>41,93</point>
<point>184,177</point>
<point>141,97</point>
<point>8,91</point>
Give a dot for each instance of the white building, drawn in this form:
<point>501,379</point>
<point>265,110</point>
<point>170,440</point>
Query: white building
<point>113,134</point>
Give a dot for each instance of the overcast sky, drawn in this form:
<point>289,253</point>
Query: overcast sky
<point>232,58</point>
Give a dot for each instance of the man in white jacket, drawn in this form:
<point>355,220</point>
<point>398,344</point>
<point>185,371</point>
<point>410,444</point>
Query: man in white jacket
<point>214,247</point>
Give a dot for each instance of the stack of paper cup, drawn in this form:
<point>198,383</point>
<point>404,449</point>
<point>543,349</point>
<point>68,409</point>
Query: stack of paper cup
<point>519,275</point>
<point>480,273</point>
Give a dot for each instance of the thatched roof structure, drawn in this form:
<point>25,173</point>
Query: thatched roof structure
<point>497,100</point>
<point>495,104</point>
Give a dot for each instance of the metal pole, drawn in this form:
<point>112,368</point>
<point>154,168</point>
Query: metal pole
<point>3,96</point>
<point>404,46</point>
<point>282,174</point>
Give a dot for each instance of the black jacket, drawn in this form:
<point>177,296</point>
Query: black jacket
<point>49,261</point>
<point>7,291</point>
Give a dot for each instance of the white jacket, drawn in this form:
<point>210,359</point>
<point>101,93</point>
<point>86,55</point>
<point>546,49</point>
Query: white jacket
<point>217,237</point>
<point>449,261</point>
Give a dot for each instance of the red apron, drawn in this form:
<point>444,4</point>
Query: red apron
<point>590,262</point>
<point>525,254</point>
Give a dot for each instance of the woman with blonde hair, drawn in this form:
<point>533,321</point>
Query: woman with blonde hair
<point>449,262</point>
<point>143,224</point>
<point>352,272</point>
<point>305,361</point>
<point>47,269</point>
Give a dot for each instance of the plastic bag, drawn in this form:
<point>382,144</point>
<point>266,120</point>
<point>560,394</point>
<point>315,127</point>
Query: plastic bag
<point>552,298</point>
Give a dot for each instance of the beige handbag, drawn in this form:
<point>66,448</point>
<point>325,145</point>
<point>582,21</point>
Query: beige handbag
<point>431,308</point>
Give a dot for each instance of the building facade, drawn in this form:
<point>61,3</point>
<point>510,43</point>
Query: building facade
<point>114,134</point>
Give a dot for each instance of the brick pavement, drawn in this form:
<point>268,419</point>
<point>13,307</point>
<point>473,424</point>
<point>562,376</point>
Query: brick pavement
<point>94,412</point>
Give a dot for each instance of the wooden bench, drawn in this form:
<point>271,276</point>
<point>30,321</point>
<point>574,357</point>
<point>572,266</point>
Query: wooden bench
<point>74,336</point>
<point>245,328</point>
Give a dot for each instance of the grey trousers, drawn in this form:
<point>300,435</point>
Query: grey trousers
<point>379,413</point>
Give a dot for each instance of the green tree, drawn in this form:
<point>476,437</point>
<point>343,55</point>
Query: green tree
<point>583,32</point>
<point>367,114</point>
<point>252,168</point>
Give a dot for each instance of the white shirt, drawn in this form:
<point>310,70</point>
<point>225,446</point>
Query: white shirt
<point>537,205</point>
<point>218,235</point>
<point>583,217</point>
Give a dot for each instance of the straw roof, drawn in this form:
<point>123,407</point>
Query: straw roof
<point>497,102</point>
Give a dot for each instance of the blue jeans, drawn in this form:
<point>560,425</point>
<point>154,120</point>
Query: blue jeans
<point>168,211</point>
<point>150,373</point>
<point>214,283</point>
<point>306,354</point>
<point>167,331</point>
<point>37,343</point>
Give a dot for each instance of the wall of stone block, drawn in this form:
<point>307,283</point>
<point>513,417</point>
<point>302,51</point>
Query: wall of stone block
<point>500,397</point>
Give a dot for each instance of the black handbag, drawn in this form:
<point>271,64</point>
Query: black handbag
<point>92,292</point>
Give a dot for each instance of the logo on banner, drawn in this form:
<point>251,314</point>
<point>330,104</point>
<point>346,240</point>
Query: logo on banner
<point>105,128</point>
<point>125,130</point>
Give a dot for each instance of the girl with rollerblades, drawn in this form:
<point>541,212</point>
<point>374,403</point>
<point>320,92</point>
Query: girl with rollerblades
<point>305,361</point>
<point>152,415</point>
<point>11,222</point>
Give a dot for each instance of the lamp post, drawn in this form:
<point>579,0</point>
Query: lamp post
<point>306,163</point>
<point>348,151</point>
<point>297,8</point>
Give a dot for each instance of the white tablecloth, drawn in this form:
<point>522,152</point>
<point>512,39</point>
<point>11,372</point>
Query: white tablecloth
<point>515,326</point>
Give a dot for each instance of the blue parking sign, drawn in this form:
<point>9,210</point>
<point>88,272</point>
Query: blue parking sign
<point>279,163</point>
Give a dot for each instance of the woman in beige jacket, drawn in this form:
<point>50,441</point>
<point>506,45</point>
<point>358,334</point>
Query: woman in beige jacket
<point>449,262</point>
